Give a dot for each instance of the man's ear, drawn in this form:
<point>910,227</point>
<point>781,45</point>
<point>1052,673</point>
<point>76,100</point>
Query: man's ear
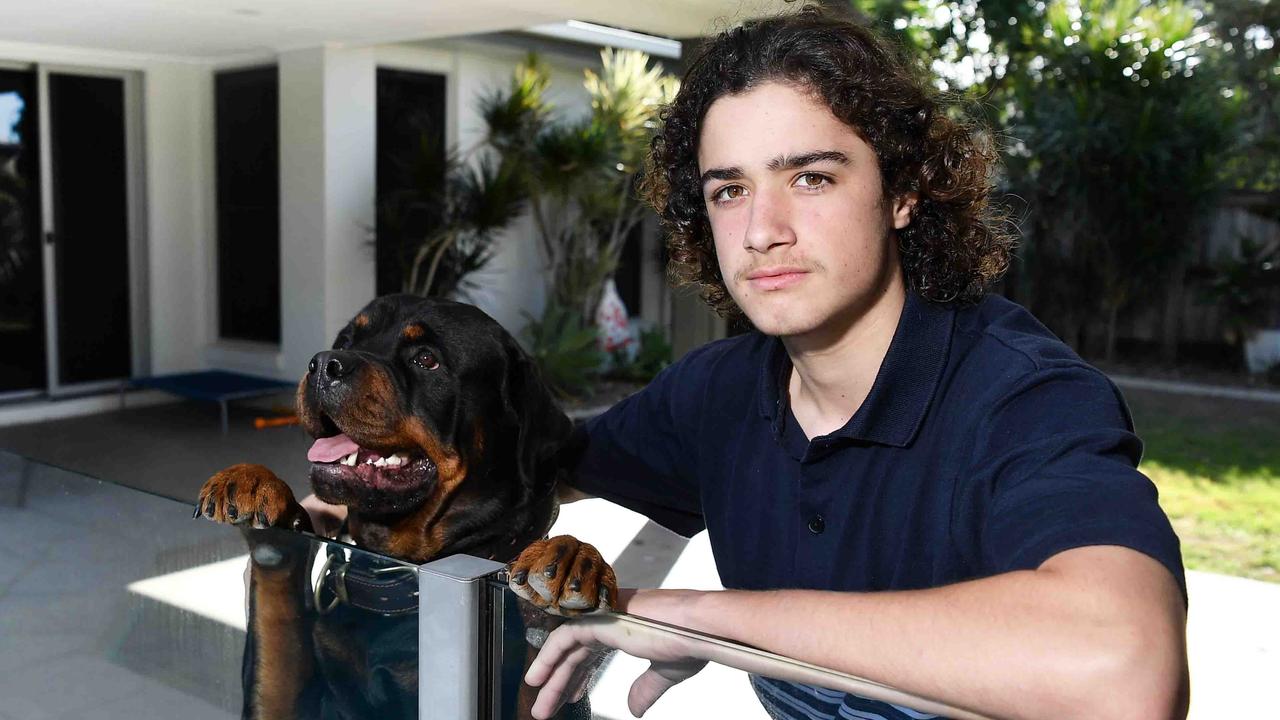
<point>903,205</point>
<point>541,426</point>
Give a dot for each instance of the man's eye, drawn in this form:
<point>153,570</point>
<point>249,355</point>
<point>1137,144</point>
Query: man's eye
<point>729,192</point>
<point>812,180</point>
<point>427,360</point>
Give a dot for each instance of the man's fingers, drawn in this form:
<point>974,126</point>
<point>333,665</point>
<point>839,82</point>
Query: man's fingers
<point>561,641</point>
<point>556,690</point>
<point>646,690</point>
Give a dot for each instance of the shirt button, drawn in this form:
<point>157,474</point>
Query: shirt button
<point>817,525</point>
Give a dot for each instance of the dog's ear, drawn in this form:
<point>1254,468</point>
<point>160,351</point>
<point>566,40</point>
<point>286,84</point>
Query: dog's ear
<point>541,426</point>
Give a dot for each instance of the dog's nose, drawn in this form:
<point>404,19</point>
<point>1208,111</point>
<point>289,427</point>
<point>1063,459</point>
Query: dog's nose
<point>332,365</point>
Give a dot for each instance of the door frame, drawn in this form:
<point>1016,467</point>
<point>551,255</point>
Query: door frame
<point>135,201</point>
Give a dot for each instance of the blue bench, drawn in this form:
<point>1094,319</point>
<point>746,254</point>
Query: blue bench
<point>218,386</point>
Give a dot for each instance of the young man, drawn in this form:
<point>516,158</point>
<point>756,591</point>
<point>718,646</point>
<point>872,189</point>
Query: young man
<point>902,478</point>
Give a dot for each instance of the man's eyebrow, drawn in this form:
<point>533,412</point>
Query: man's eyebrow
<point>782,162</point>
<point>792,162</point>
<point>727,173</point>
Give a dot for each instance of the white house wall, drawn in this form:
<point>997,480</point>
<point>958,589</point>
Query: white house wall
<point>178,112</point>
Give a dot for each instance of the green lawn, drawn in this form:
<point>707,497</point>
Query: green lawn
<point>1217,465</point>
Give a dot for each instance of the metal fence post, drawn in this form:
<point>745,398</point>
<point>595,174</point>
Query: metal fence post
<point>450,606</point>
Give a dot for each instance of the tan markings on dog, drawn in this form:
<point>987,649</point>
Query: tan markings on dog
<point>414,332</point>
<point>306,418</point>
<point>377,385</point>
<point>361,320</point>
<point>404,538</point>
<point>347,651</point>
<point>284,655</point>
<point>374,410</point>
<point>477,440</point>
<point>404,674</point>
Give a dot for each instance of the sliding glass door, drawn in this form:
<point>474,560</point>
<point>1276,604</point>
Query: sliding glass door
<point>69,245</point>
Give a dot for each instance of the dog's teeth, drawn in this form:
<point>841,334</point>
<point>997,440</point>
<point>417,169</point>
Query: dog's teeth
<point>395,460</point>
<point>349,460</point>
<point>382,462</point>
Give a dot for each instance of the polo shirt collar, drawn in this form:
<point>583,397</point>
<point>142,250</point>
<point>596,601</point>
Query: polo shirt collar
<point>904,385</point>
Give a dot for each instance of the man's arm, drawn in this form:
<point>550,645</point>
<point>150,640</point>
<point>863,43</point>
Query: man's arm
<point>1094,632</point>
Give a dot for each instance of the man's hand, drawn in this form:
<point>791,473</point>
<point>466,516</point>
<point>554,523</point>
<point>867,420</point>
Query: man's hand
<point>325,518</point>
<point>560,668</point>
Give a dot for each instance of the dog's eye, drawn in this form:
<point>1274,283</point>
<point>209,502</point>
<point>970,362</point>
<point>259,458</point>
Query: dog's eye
<point>427,360</point>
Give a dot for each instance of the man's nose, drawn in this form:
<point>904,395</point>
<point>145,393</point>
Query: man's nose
<point>769,224</point>
<point>333,365</point>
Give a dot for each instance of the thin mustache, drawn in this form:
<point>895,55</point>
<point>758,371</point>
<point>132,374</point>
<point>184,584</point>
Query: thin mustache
<point>807,266</point>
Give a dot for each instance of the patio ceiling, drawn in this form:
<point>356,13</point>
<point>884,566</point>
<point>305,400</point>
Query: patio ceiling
<point>211,30</point>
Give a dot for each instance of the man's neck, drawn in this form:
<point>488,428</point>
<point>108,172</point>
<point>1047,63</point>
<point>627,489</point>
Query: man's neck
<point>834,367</point>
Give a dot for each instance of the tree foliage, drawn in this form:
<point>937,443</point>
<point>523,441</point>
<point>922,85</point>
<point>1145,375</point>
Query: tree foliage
<point>1117,122</point>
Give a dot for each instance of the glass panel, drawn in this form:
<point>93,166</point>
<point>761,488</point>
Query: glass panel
<point>22,364</point>
<point>115,603</point>
<point>91,221</point>
<point>718,690</point>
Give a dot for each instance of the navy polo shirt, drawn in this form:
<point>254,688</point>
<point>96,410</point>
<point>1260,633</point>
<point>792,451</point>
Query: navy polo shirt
<point>985,446</point>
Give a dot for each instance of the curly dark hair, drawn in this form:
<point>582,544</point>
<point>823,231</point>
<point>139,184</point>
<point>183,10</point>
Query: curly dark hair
<point>955,246</point>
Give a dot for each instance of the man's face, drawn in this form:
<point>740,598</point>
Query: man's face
<point>802,229</point>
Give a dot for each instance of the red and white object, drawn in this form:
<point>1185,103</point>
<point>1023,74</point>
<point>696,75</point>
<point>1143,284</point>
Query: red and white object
<point>613,330</point>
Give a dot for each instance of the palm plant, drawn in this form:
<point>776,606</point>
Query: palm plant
<point>580,172</point>
<point>456,206</point>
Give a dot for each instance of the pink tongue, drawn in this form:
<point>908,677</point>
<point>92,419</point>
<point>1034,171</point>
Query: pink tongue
<point>331,448</point>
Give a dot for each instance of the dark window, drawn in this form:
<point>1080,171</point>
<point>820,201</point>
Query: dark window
<point>91,223</point>
<point>248,161</point>
<point>411,163</point>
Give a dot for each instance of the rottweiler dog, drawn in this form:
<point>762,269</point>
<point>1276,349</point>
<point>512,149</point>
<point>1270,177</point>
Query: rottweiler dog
<point>433,428</point>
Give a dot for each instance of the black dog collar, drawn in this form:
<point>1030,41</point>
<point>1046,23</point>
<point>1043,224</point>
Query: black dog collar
<point>382,588</point>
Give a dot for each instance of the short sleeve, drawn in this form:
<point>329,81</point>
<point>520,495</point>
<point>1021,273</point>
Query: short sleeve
<point>1059,458</point>
<point>642,453</point>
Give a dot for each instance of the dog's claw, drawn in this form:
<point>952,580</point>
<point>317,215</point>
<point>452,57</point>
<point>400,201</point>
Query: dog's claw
<point>251,496</point>
<point>563,577</point>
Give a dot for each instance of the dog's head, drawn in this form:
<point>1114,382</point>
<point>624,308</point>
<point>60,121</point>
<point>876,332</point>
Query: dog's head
<point>422,398</point>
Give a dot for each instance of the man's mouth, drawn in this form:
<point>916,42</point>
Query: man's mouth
<point>775,278</point>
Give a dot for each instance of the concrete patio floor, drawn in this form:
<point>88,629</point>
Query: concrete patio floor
<point>169,449</point>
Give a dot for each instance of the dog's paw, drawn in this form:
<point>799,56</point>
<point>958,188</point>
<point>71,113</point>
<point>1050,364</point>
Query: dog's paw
<point>250,496</point>
<point>564,577</point>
